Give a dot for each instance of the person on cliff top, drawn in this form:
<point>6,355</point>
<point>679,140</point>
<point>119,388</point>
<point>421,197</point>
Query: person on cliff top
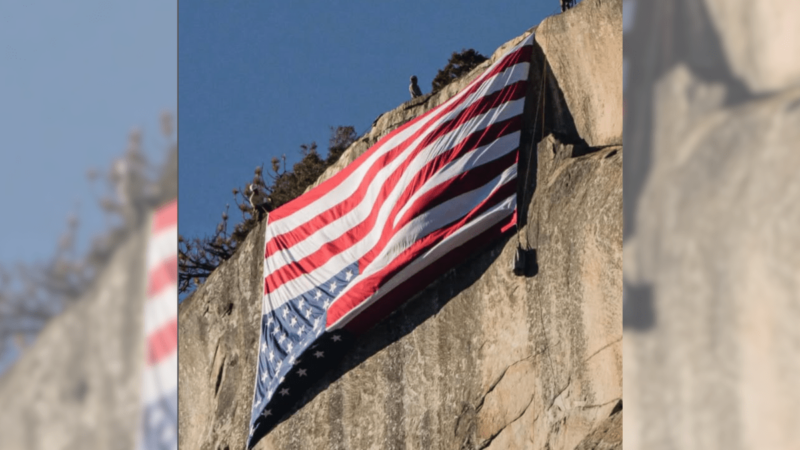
<point>567,4</point>
<point>413,88</point>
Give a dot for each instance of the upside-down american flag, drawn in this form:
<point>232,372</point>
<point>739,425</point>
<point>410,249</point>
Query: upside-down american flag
<point>348,252</point>
<point>159,426</point>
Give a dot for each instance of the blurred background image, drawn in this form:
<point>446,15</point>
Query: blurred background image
<point>711,249</point>
<point>88,102</point>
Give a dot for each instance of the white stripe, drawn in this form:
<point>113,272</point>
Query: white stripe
<point>160,379</point>
<point>347,187</point>
<point>163,245</point>
<point>460,237</point>
<point>336,264</point>
<point>160,309</point>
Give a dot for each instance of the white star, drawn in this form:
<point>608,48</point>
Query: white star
<point>302,303</point>
<point>336,338</point>
<point>276,330</point>
<point>271,355</point>
<point>267,413</point>
<point>319,354</point>
<point>302,372</point>
<point>281,338</point>
<point>285,392</point>
<point>269,319</point>
<point>348,275</point>
<point>280,363</point>
<point>308,313</point>
<point>316,323</point>
<point>301,330</point>
<point>319,294</point>
<point>269,393</point>
<point>291,359</point>
<point>293,322</point>
<point>257,402</point>
<point>333,286</point>
<point>285,311</point>
<point>327,303</point>
<point>263,347</point>
<point>264,376</point>
<point>289,346</point>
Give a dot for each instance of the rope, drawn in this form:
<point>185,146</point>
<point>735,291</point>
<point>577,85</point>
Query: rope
<point>521,264</point>
<point>541,100</point>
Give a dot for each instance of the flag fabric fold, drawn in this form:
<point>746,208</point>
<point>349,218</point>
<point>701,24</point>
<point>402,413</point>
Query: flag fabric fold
<point>345,254</point>
<point>159,426</point>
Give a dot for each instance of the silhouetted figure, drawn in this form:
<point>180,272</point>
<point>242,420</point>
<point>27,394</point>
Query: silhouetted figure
<point>259,202</point>
<point>413,88</point>
<point>567,4</point>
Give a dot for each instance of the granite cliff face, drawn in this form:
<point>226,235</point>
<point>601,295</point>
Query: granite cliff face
<point>481,358</point>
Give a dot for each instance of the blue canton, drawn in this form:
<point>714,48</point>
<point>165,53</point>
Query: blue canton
<point>289,331</point>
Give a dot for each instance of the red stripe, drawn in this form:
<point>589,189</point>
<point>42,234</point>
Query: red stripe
<point>166,216</point>
<point>162,342</point>
<point>521,55</point>
<point>400,294</point>
<point>511,224</point>
<point>509,93</point>
<point>162,276</point>
<point>369,285</point>
<point>332,248</point>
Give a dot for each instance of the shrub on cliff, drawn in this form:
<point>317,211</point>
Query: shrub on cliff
<point>199,256</point>
<point>460,64</point>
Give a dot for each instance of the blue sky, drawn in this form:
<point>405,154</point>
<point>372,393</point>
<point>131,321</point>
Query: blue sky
<point>257,78</point>
<point>75,79</point>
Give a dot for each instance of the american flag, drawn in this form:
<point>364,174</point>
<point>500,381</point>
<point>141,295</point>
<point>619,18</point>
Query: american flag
<point>345,254</point>
<point>160,384</point>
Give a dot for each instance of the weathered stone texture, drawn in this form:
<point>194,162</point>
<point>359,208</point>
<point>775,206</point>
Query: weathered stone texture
<point>584,48</point>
